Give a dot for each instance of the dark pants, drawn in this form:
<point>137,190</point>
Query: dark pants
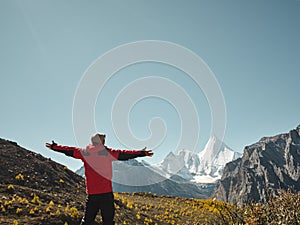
<point>104,203</point>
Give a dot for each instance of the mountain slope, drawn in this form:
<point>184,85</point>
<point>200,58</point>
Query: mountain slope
<point>38,173</point>
<point>129,178</point>
<point>271,164</point>
<point>28,182</point>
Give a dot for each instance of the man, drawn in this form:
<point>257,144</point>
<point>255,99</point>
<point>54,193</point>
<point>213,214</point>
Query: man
<point>97,160</point>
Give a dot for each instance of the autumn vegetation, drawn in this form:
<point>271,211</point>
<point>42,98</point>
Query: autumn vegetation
<point>21,205</point>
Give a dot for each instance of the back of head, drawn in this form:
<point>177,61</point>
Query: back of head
<point>98,139</point>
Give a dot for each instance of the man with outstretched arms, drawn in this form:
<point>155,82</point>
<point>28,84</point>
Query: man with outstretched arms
<point>97,159</point>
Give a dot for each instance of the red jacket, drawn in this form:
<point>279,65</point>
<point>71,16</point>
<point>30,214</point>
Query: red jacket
<point>97,161</point>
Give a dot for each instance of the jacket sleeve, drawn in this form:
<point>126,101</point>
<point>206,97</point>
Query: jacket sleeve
<point>127,154</point>
<point>69,151</point>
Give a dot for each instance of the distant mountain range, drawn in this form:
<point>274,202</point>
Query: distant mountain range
<point>271,164</point>
<point>204,167</point>
<point>183,174</point>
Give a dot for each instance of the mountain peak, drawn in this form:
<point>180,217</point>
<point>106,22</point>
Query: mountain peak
<point>193,166</point>
<point>213,148</point>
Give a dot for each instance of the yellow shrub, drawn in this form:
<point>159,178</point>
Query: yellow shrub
<point>74,212</point>
<point>10,187</point>
<point>36,199</point>
<point>67,209</point>
<point>18,210</point>
<point>19,177</point>
<point>48,209</point>
<point>51,203</point>
<point>57,212</point>
<point>21,200</point>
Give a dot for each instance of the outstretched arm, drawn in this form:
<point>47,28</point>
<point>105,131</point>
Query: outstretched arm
<point>67,150</point>
<point>126,154</point>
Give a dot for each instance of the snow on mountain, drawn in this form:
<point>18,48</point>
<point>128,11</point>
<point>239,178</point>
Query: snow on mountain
<point>183,161</point>
<point>204,167</point>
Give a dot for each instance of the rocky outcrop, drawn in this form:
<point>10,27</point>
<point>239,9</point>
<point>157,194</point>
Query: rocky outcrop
<point>267,166</point>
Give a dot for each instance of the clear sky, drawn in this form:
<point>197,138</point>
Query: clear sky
<point>46,47</point>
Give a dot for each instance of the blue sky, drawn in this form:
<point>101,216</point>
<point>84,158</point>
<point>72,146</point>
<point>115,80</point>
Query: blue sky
<point>252,47</point>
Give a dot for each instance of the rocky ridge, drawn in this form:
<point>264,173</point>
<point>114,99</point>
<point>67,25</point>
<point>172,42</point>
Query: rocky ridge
<point>270,165</point>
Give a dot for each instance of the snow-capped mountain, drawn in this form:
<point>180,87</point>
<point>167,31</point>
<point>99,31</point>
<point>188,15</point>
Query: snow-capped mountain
<point>203,167</point>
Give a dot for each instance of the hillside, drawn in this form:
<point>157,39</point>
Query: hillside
<point>38,172</point>
<point>28,182</point>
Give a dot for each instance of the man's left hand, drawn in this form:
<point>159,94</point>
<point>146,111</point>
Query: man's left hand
<point>148,152</point>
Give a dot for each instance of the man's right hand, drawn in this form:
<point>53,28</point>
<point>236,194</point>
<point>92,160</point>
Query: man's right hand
<point>51,145</point>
